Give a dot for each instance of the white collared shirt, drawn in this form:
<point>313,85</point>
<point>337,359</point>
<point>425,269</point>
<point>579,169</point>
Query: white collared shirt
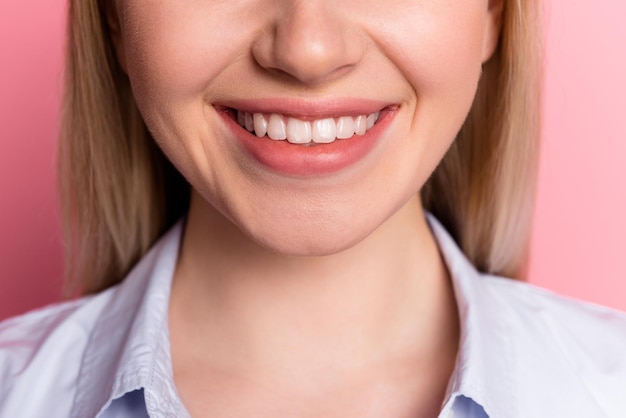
<point>524,352</point>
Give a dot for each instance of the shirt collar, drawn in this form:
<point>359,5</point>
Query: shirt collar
<point>123,356</point>
<point>485,366</point>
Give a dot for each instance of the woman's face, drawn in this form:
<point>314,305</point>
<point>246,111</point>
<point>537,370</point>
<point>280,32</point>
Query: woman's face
<point>313,71</point>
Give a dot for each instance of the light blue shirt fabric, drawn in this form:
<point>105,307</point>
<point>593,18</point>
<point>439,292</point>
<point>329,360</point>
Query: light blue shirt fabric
<point>524,352</point>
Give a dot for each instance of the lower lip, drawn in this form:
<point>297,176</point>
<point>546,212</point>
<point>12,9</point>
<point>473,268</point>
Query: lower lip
<point>304,161</point>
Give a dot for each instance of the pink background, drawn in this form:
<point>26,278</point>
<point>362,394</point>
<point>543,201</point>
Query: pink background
<point>580,225</point>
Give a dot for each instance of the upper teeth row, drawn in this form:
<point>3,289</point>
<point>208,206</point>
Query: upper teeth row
<point>297,131</point>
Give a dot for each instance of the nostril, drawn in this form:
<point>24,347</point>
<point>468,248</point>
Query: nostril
<point>308,76</point>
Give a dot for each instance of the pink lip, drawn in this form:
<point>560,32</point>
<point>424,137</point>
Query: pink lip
<point>305,161</point>
<point>306,109</point>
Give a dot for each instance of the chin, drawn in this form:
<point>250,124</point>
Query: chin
<point>308,240</point>
<point>309,248</point>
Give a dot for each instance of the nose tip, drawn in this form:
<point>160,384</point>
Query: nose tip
<point>309,44</point>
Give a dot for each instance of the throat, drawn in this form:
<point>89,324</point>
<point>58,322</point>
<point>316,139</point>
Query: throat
<point>243,311</point>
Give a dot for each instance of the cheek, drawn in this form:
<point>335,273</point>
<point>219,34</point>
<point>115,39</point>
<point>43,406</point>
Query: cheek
<point>175,49</point>
<point>440,55</point>
<point>454,66</point>
<point>168,51</point>
<point>438,47</point>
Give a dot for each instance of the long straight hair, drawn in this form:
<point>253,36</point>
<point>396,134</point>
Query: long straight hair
<point>484,189</point>
<point>119,193</point>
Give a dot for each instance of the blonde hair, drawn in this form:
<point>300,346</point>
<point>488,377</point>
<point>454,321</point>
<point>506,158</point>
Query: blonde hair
<point>119,192</point>
<point>483,190</point>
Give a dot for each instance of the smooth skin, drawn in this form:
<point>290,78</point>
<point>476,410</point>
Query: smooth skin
<point>317,296</point>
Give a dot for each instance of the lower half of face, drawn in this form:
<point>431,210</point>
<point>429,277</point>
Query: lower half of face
<point>306,124</point>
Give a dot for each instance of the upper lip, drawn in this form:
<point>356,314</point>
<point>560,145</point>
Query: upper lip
<point>307,108</point>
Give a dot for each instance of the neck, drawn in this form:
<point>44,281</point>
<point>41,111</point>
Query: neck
<point>246,308</point>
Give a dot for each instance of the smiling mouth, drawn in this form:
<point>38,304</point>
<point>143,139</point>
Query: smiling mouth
<point>307,138</point>
<point>279,127</point>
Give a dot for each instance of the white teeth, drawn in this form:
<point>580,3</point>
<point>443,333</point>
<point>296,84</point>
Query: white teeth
<point>324,131</point>
<point>345,127</point>
<point>260,125</point>
<point>276,128</point>
<point>296,131</point>
<point>360,125</point>
<point>371,119</point>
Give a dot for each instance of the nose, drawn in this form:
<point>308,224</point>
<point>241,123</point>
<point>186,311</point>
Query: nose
<point>310,41</point>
